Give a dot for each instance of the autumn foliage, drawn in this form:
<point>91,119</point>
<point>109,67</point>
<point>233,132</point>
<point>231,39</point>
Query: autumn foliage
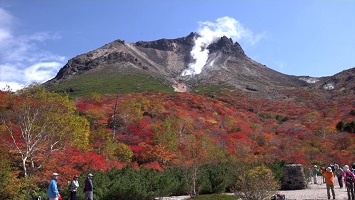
<point>158,130</point>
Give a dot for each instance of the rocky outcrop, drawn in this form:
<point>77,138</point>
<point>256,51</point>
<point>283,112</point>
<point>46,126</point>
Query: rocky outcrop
<point>226,46</point>
<point>293,177</point>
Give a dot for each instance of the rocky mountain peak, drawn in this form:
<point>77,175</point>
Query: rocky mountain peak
<point>168,44</point>
<point>227,46</point>
<point>166,59</point>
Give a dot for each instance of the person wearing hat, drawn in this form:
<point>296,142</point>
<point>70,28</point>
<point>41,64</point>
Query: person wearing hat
<point>73,187</point>
<point>89,188</point>
<point>329,181</point>
<point>348,175</point>
<point>52,191</point>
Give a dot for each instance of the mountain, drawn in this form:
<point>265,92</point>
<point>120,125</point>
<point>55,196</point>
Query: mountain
<point>161,63</point>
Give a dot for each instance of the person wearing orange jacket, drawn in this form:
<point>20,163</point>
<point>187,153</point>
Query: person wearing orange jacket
<point>329,181</point>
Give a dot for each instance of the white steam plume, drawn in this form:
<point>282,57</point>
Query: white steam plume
<point>209,33</point>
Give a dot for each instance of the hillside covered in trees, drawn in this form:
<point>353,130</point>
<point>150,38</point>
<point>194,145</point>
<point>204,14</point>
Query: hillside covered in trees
<point>42,132</point>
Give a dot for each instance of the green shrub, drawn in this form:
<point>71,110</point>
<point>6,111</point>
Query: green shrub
<point>256,183</point>
<point>131,184</point>
<point>215,178</point>
<point>146,184</point>
<point>277,168</point>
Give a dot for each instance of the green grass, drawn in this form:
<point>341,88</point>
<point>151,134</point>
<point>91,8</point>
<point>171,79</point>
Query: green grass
<point>111,84</point>
<point>215,197</point>
<point>212,89</point>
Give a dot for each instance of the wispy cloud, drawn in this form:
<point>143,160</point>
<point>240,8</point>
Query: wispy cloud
<point>5,20</point>
<point>21,60</point>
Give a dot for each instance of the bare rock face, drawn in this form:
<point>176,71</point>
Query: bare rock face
<point>294,178</point>
<point>180,87</point>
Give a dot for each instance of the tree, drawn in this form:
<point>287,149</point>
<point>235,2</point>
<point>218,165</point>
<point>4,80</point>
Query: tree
<point>129,112</point>
<point>346,127</point>
<point>256,183</point>
<point>38,123</point>
<point>198,150</point>
<point>9,186</point>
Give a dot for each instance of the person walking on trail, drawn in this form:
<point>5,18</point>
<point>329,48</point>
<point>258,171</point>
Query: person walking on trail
<point>329,181</point>
<point>52,191</point>
<point>89,188</point>
<point>349,178</point>
<point>315,174</point>
<point>323,178</point>
<point>73,187</point>
<point>339,174</point>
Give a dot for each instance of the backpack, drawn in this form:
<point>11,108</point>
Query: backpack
<point>349,178</point>
<point>69,185</point>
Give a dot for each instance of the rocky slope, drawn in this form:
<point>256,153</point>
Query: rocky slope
<point>166,59</point>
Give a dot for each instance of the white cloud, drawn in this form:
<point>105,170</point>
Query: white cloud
<point>41,72</point>
<point>12,86</point>
<point>21,60</point>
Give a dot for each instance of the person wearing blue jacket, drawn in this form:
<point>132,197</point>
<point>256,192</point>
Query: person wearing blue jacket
<point>52,191</point>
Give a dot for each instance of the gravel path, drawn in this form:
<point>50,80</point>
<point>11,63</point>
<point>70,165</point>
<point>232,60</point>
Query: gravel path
<point>314,191</point>
<point>317,191</point>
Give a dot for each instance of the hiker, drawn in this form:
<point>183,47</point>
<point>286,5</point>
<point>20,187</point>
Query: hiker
<point>73,187</point>
<point>339,174</point>
<point>329,181</point>
<point>323,178</point>
<point>89,188</point>
<point>315,172</point>
<point>309,175</point>
<point>52,191</point>
<point>349,178</point>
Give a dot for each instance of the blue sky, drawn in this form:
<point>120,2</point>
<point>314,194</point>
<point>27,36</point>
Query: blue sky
<point>295,37</point>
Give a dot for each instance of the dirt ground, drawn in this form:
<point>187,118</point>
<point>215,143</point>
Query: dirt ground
<point>314,191</point>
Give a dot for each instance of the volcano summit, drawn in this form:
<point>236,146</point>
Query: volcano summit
<point>171,62</point>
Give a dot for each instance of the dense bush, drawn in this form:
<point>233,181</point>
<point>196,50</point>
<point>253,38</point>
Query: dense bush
<point>146,184</point>
<point>216,178</point>
<point>277,168</point>
<point>256,183</point>
<point>346,127</point>
<point>131,184</point>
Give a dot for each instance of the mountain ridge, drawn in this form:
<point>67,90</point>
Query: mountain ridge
<point>166,59</point>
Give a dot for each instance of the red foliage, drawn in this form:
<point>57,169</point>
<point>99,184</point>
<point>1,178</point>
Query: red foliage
<point>136,149</point>
<point>153,165</point>
<point>300,128</point>
<point>72,161</point>
<point>209,117</point>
